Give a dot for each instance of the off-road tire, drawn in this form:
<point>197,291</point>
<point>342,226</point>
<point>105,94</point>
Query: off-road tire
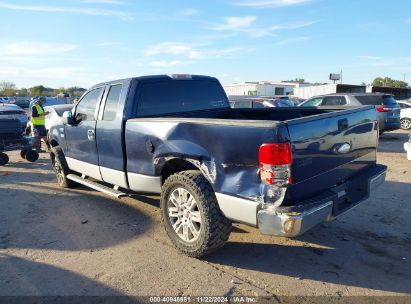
<point>4,159</point>
<point>60,167</point>
<point>215,227</point>
<point>31,156</point>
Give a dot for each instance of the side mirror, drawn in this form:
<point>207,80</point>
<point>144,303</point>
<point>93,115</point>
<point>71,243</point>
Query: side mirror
<point>68,118</point>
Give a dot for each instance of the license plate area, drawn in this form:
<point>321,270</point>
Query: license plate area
<point>348,195</point>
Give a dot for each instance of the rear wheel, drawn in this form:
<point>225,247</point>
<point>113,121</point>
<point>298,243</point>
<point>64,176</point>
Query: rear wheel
<point>32,156</point>
<point>406,123</point>
<point>60,167</point>
<point>23,154</point>
<point>191,215</point>
<point>4,159</point>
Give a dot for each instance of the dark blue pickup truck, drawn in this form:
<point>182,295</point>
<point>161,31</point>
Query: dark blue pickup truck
<point>283,170</point>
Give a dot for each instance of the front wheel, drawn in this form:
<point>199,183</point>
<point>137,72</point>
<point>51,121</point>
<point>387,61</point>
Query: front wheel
<point>406,124</point>
<point>191,215</point>
<point>60,167</point>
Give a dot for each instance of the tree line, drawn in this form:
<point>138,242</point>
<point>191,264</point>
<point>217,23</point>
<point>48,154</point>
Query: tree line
<point>388,82</point>
<point>8,88</point>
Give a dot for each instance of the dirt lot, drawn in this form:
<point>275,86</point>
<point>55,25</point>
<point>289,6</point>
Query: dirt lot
<point>81,242</point>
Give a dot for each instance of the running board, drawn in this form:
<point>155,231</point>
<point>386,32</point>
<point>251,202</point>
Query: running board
<point>95,186</point>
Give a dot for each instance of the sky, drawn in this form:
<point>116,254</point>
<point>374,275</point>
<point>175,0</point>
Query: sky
<point>83,42</point>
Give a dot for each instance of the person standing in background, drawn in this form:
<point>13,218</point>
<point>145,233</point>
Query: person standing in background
<point>38,120</point>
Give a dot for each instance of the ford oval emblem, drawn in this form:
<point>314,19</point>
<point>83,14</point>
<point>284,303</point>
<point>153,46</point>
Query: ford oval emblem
<point>344,148</point>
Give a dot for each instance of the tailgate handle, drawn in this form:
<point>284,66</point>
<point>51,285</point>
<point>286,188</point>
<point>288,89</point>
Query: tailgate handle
<point>343,124</point>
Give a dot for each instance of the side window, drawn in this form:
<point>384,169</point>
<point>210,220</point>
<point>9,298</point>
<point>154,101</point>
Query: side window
<point>87,105</point>
<point>257,105</point>
<point>241,104</point>
<point>334,101</point>
<point>315,102</point>
<point>110,109</point>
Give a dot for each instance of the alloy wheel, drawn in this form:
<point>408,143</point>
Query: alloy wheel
<point>184,215</point>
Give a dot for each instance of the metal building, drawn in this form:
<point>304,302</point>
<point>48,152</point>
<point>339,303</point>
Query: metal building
<point>261,88</point>
<point>311,91</point>
<point>314,90</point>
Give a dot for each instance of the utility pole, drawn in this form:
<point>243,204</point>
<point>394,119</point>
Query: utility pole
<point>341,77</point>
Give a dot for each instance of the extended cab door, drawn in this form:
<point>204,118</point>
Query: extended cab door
<point>110,134</point>
<point>81,151</point>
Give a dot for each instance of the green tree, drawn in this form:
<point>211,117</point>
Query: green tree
<point>299,80</point>
<point>7,88</point>
<point>75,91</point>
<point>388,82</point>
<point>37,90</point>
<point>59,90</point>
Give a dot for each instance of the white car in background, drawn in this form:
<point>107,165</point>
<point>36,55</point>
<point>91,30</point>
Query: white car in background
<point>55,114</point>
<point>405,115</point>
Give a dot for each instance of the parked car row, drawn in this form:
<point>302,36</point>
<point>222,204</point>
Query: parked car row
<point>387,108</point>
<point>13,109</point>
<point>391,114</point>
<point>262,102</point>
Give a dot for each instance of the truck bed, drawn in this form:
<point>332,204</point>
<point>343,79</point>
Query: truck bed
<point>227,145</point>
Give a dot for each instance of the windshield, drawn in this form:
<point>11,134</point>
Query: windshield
<point>178,96</point>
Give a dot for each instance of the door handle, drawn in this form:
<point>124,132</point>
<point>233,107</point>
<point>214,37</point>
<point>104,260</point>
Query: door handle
<point>90,134</point>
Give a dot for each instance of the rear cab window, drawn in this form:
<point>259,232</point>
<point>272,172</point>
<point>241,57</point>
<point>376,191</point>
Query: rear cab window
<point>179,96</point>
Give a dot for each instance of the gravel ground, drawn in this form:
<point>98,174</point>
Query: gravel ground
<point>81,242</point>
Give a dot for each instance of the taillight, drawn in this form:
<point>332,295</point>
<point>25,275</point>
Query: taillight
<point>275,160</point>
<point>382,109</point>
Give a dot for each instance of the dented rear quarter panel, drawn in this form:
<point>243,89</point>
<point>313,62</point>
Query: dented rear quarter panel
<point>226,151</point>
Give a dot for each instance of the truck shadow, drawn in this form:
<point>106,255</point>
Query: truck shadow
<point>393,142</point>
<point>21,277</point>
<point>39,164</point>
<point>32,217</point>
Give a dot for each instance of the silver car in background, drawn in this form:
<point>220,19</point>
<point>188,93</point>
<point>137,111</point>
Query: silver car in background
<point>387,108</point>
<point>12,111</point>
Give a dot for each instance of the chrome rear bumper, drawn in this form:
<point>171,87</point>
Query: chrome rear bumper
<point>295,223</point>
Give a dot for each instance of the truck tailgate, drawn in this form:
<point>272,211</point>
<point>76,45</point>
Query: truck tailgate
<point>330,148</point>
